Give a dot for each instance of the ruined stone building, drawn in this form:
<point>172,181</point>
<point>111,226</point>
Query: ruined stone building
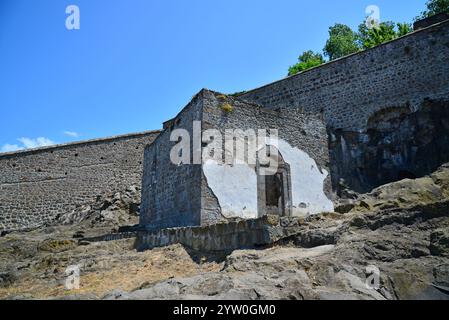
<point>352,124</point>
<point>207,193</point>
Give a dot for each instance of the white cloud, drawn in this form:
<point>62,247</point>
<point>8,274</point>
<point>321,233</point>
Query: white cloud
<point>27,143</point>
<point>71,134</point>
<point>36,143</point>
<point>10,148</point>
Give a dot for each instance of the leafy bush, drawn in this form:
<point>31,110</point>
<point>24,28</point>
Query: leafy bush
<point>307,60</point>
<point>369,38</point>
<point>342,42</point>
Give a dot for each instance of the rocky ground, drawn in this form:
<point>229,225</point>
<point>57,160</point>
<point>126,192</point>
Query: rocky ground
<point>400,230</point>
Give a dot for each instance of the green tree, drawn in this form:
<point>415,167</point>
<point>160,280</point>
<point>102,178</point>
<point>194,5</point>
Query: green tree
<point>403,29</point>
<point>376,36</point>
<point>342,42</point>
<point>362,35</point>
<point>434,7</point>
<point>369,38</point>
<point>307,60</point>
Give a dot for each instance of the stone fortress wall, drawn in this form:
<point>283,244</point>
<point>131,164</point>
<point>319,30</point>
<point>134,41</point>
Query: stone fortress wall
<point>171,193</point>
<point>186,194</point>
<point>36,186</point>
<point>237,191</point>
<point>403,72</point>
<point>385,108</point>
<point>402,76</point>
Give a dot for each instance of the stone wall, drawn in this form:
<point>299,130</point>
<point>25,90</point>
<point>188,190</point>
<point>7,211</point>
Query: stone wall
<point>219,237</point>
<point>171,195</point>
<point>187,194</point>
<point>403,72</point>
<point>397,144</point>
<point>234,191</point>
<point>37,186</point>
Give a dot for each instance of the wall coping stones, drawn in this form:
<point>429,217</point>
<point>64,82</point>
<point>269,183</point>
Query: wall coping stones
<point>360,53</point>
<point>77,143</point>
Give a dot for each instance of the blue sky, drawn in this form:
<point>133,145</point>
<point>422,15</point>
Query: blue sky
<point>136,63</point>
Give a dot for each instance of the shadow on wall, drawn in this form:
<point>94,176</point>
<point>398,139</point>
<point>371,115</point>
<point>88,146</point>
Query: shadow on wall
<point>398,144</point>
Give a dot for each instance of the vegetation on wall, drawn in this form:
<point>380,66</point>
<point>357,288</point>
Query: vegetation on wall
<point>226,107</point>
<point>344,41</point>
<point>306,60</point>
<point>236,94</point>
<point>387,31</point>
<point>434,7</point>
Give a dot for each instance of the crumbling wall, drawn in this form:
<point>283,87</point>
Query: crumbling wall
<point>349,90</point>
<point>231,191</point>
<point>189,194</point>
<point>36,186</point>
<point>397,144</point>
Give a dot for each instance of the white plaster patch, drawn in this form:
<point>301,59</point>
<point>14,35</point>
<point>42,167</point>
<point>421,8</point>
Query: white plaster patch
<point>235,188</point>
<point>307,180</point>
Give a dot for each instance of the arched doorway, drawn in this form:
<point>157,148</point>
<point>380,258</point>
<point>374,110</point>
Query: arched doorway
<point>274,192</point>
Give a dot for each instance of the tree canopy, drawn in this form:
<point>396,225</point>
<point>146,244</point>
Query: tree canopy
<point>434,7</point>
<point>307,60</point>
<point>342,41</point>
<point>369,38</point>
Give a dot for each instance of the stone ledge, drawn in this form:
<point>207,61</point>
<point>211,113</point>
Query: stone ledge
<point>222,237</point>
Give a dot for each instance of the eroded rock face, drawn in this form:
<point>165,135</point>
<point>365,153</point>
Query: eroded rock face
<point>439,242</point>
<point>120,209</point>
<point>399,229</point>
<point>381,248</point>
<point>398,144</point>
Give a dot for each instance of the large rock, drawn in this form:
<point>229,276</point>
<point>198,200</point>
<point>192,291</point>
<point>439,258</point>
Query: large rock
<point>395,237</point>
<point>439,242</point>
<point>393,244</point>
<point>120,209</point>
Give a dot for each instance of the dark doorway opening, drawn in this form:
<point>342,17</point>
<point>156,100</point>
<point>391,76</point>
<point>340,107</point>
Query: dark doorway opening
<point>274,188</point>
<point>274,194</point>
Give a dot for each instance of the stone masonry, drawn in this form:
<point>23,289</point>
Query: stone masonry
<point>369,118</point>
<point>182,195</point>
<point>171,194</point>
<point>38,185</point>
<point>403,72</point>
<point>397,144</point>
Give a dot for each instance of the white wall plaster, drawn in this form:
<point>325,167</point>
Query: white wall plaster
<point>236,186</point>
<point>308,195</point>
